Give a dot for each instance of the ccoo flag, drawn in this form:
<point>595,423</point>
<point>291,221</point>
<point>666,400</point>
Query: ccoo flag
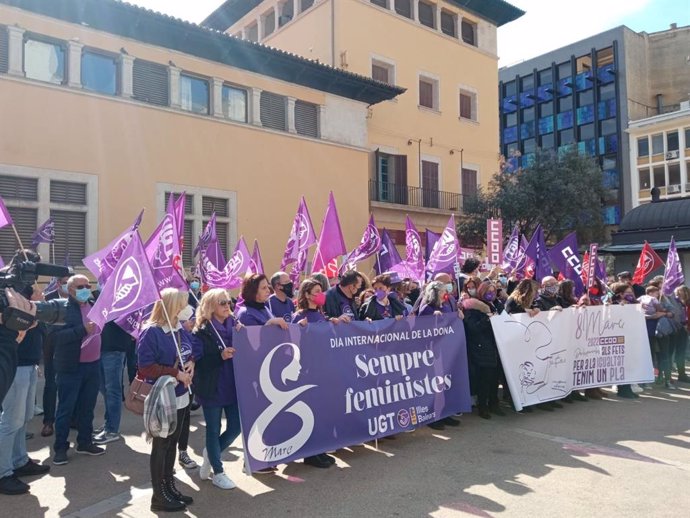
<point>413,250</point>
<point>331,243</point>
<point>565,256</point>
<point>445,251</point>
<point>302,235</point>
<point>130,287</point>
<point>673,274</point>
<point>511,252</point>
<point>368,246</point>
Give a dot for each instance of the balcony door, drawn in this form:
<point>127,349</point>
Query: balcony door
<point>469,184</point>
<point>391,178</point>
<point>430,192</point>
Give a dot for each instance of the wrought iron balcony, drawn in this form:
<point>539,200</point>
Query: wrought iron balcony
<point>415,196</point>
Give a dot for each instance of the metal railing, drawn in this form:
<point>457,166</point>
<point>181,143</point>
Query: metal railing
<point>415,196</point>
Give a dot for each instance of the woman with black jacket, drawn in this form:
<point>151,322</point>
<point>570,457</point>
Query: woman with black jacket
<point>482,350</point>
<point>383,304</point>
<point>214,381</point>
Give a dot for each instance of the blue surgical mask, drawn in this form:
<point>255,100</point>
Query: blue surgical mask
<point>194,285</point>
<point>83,294</point>
<point>449,287</point>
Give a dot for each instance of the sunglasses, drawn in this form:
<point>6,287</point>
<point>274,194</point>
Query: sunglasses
<point>223,302</point>
<point>82,286</point>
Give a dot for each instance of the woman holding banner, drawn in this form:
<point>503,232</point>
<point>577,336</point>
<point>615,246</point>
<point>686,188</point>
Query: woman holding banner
<point>481,348</point>
<point>623,294</point>
<point>161,345</point>
<point>214,381</point>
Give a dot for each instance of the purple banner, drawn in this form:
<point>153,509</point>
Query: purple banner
<point>313,389</point>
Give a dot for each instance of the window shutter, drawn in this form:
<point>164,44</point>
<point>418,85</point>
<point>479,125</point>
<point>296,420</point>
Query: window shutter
<point>469,183</point>
<point>26,222</point>
<point>210,204</point>
<point>19,188</point>
<point>468,33</point>
<point>380,3</point>
<point>448,23</point>
<point>379,73</point>
<point>70,235</point>
<point>430,192</point>
<point>404,8</point>
<point>189,201</point>
<point>305,4</point>
<point>426,94</point>
<point>307,119</point>
<point>466,106</point>
<point>273,111</point>
<point>426,14</point>
<point>151,82</point>
<point>67,192</point>
<point>4,49</point>
<point>222,233</point>
<point>401,179</point>
<point>187,243</point>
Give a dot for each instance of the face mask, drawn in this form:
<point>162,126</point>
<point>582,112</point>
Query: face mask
<point>629,298</point>
<point>194,285</point>
<point>381,294</point>
<point>551,290</point>
<point>63,287</point>
<point>83,294</point>
<point>490,296</point>
<point>185,314</point>
<point>503,280</point>
<point>472,292</point>
<point>288,289</point>
<point>449,287</point>
<point>414,294</point>
<point>319,299</point>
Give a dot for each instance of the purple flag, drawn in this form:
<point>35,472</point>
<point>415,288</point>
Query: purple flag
<point>44,234</point>
<point>511,252</point>
<point>368,246</point>
<point>530,256</point>
<point>331,243</point>
<point>130,287</point>
<point>565,256</point>
<point>335,402</point>
<point>673,274</point>
<point>445,251</point>
<point>102,263</point>
<point>302,235</point>
<point>601,270</point>
<point>537,255</point>
<point>232,275</point>
<point>414,255</point>
<point>257,261</point>
<point>207,236</point>
<point>210,250</point>
<point>163,251</point>
<point>5,218</point>
<point>388,255</point>
<point>431,238</point>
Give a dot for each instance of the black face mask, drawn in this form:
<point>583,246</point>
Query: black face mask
<point>414,294</point>
<point>288,289</point>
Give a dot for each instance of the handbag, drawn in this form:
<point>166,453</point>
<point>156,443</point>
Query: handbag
<point>664,327</point>
<point>138,391</point>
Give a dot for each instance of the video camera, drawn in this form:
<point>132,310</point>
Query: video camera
<point>20,276</point>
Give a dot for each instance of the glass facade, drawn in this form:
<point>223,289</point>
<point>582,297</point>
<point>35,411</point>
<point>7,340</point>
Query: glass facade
<point>570,103</point>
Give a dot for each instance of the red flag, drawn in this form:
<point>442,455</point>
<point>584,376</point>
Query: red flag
<point>646,264</point>
<point>585,268</point>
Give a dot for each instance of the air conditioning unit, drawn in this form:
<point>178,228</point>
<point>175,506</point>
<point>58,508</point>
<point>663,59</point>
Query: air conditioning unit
<point>673,189</point>
<point>672,154</point>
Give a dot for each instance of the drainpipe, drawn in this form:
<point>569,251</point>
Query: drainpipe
<point>333,33</point>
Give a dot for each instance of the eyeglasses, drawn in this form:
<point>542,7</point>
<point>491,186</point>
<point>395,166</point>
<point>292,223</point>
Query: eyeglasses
<point>223,302</point>
<point>82,286</point>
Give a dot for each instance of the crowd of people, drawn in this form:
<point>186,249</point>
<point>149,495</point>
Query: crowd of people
<point>186,348</point>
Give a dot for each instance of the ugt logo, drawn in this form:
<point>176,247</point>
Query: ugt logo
<point>280,401</point>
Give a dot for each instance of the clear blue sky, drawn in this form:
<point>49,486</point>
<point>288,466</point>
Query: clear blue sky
<point>548,24</point>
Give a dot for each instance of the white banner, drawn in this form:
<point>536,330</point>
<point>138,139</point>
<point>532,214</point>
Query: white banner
<point>546,357</point>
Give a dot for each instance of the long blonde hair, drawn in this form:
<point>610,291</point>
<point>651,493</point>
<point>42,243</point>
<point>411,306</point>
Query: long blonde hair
<point>174,301</point>
<point>208,304</point>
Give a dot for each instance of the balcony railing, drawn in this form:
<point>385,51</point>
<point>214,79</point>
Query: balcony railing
<point>415,196</point>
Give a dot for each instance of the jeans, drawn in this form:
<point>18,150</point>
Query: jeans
<point>215,441</point>
<point>112,365</point>
<point>77,391</point>
<point>163,451</point>
<point>50,387</point>
<point>17,410</point>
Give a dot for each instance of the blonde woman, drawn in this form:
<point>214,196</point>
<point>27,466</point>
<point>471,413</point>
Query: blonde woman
<point>214,381</point>
<point>158,356</point>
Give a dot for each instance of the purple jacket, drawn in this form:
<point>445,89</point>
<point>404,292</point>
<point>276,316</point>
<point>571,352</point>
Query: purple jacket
<point>155,346</point>
<point>280,309</point>
<point>252,316</point>
<point>312,315</point>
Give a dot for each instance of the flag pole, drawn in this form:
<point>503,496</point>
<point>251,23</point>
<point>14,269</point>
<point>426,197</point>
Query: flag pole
<point>19,240</point>
<point>177,345</point>
<point>52,252</point>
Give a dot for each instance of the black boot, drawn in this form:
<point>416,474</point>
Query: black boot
<point>163,501</point>
<point>170,485</point>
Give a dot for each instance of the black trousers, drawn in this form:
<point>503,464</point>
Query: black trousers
<point>487,386</point>
<point>164,451</point>
<point>184,428</point>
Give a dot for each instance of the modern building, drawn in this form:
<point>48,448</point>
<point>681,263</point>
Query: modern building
<point>107,108</point>
<point>585,94</point>
<point>432,146</point>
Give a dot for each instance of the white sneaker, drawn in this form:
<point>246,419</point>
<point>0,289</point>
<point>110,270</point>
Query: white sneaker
<point>222,481</point>
<point>637,389</point>
<point>205,469</point>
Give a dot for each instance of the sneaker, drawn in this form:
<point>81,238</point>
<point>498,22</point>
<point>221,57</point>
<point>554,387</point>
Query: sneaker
<point>438,425</point>
<point>265,471</point>
<point>450,421</point>
<point>317,461</point>
<point>186,461</point>
<point>684,378</point>
<point>38,410</point>
<point>328,457</point>
<point>31,468</point>
<point>90,449</point>
<point>669,386</point>
<point>637,389</point>
<point>11,485</point>
<point>47,430</point>
<point>60,458</point>
<point>106,437</point>
<point>222,481</point>
<point>484,413</point>
<point>205,469</point>
<point>99,430</point>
